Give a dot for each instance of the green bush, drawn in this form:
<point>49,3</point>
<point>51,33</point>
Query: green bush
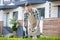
<point>14,23</point>
<point>41,38</point>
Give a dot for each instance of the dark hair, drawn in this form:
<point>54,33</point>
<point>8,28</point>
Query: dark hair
<point>28,4</point>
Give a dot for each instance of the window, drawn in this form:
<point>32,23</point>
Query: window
<point>0,1</point>
<point>58,11</point>
<point>6,1</point>
<point>41,12</point>
<point>15,15</point>
<point>23,0</point>
<point>15,1</point>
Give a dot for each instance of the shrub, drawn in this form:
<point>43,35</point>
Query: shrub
<point>14,23</point>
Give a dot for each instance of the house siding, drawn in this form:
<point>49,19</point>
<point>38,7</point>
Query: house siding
<point>20,15</point>
<point>54,9</point>
<point>1,20</point>
<point>1,2</point>
<point>46,6</point>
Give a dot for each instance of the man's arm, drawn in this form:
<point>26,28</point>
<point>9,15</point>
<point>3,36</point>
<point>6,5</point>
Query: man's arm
<point>37,17</point>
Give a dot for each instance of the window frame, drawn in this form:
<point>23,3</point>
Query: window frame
<point>6,3</point>
<point>40,15</point>
<point>16,17</point>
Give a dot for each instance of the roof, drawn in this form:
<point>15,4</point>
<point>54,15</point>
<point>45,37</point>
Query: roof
<point>8,7</point>
<point>30,1</point>
<point>21,3</point>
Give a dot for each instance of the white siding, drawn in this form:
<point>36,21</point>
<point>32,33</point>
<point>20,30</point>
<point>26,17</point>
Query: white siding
<point>47,10</point>
<point>4,20</point>
<point>20,14</point>
<point>1,2</point>
<point>54,10</point>
<point>1,15</point>
<point>46,6</point>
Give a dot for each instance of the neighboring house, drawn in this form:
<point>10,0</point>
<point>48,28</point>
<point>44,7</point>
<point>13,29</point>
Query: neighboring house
<point>48,9</point>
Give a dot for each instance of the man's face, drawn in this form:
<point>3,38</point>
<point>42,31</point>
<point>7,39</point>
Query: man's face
<point>28,8</point>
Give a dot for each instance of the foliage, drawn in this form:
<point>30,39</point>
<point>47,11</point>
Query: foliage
<point>1,35</point>
<point>14,23</point>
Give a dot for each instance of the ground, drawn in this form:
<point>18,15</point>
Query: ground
<point>40,38</point>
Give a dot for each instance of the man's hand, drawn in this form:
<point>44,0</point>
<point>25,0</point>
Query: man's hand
<point>37,23</point>
<point>22,23</point>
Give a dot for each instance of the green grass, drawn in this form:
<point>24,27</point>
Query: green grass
<point>40,38</point>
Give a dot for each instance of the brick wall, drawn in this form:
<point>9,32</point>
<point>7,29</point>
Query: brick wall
<point>0,26</point>
<point>51,27</point>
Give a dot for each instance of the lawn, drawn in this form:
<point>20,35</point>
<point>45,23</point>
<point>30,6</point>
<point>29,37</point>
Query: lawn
<point>40,38</point>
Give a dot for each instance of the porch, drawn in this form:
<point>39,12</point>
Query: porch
<point>51,27</point>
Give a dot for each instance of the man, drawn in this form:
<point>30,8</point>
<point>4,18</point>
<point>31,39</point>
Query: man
<point>33,20</point>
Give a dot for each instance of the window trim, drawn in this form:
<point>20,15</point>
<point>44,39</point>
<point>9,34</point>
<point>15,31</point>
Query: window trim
<point>40,14</point>
<point>17,14</point>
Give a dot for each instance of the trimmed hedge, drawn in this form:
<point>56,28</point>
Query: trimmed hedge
<point>41,38</point>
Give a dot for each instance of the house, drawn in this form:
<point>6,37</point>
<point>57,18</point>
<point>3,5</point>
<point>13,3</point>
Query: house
<point>48,9</point>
